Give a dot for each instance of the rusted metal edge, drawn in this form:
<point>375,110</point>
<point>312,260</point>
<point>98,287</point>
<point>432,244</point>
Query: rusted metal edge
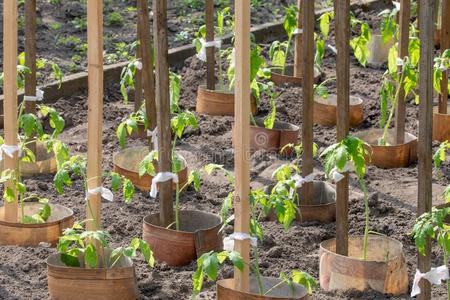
<point>75,83</point>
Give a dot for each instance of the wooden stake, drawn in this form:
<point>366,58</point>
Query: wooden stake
<point>400,115</point>
<point>138,76</point>
<point>166,213</point>
<point>308,98</point>
<point>445,44</point>
<point>30,60</point>
<point>210,51</point>
<point>95,110</point>
<point>147,63</point>
<point>343,109</point>
<point>10,93</point>
<point>299,41</point>
<point>242,136</point>
<point>425,130</point>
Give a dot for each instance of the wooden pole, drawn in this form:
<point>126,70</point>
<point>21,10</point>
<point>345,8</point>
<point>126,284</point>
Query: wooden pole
<point>10,93</point>
<point>138,76</point>
<point>425,130</point>
<point>242,136</point>
<point>400,115</point>
<point>166,213</point>
<point>299,41</point>
<point>147,63</point>
<point>343,109</point>
<point>95,110</point>
<point>308,98</point>
<point>210,51</point>
<point>445,44</point>
<point>30,59</point>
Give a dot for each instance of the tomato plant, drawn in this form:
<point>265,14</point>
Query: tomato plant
<point>80,248</point>
<point>350,155</point>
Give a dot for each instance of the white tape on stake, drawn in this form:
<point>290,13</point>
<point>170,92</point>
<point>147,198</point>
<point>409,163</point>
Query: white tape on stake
<point>161,177</point>
<point>298,31</point>
<point>105,193</point>
<point>434,276</point>
<point>299,180</point>
<point>153,134</point>
<point>336,174</point>
<point>202,54</point>
<point>228,242</point>
<point>8,150</point>
<point>39,96</point>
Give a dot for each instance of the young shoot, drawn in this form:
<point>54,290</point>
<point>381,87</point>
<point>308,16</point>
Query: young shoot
<point>322,37</point>
<point>401,73</point>
<point>179,123</point>
<point>350,155</point>
<point>279,51</point>
<point>389,26</point>
<point>209,263</point>
<point>18,189</point>
<point>225,25</point>
<point>127,77</point>
<point>434,226</point>
<point>360,43</point>
<point>80,248</point>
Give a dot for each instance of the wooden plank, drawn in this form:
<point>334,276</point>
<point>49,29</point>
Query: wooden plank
<point>299,41</point>
<point>95,110</point>
<point>147,64</point>
<point>425,150</point>
<point>343,110</point>
<point>210,51</point>
<point>10,90</point>
<point>445,44</point>
<point>308,98</point>
<point>400,115</point>
<point>242,139</point>
<point>163,109</point>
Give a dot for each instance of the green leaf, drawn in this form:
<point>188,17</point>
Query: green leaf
<point>305,280</point>
<point>70,261</point>
<point>116,181</point>
<point>90,256</point>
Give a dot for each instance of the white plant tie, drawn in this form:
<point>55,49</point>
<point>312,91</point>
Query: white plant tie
<point>39,96</point>
<point>434,276</point>
<point>105,193</point>
<point>336,174</point>
<point>161,177</point>
<point>299,180</point>
<point>298,31</point>
<point>202,54</point>
<point>8,150</point>
<point>138,64</point>
<point>333,49</point>
<point>228,242</point>
<point>153,134</point>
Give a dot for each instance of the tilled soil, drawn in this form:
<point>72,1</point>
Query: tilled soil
<point>393,194</point>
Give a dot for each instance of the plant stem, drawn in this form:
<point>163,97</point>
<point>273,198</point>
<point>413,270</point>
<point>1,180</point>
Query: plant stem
<point>366,212</point>
<point>257,271</point>
<point>219,68</point>
<point>177,208</point>
<point>392,111</point>
<point>288,47</point>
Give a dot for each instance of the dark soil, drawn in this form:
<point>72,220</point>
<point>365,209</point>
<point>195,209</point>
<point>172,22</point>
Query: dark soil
<point>393,199</point>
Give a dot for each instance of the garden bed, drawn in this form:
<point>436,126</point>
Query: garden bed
<point>393,193</point>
